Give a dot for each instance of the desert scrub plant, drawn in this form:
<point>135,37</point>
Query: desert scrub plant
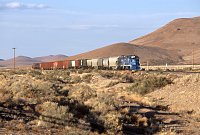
<point>76,79</point>
<point>82,93</point>
<point>80,71</point>
<point>57,75</point>
<point>30,90</point>
<point>112,122</point>
<point>35,73</point>
<point>106,74</point>
<point>87,70</point>
<point>87,78</point>
<point>53,113</point>
<point>126,78</point>
<point>149,84</point>
<point>18,72</point>
<point>112,83</point>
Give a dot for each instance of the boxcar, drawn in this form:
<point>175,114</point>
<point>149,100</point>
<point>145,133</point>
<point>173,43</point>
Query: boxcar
<point>67,64</point>
<point>47,65</point>
<point>77,63</point>
<point>106,63</point>
<point>89,63</point>
<point>58,65</point>
<point>100,63</point>
<point>114,62</point>
<point>73,63</point>
<point>83,63</point>
<point>94,63</point>
<point>36,65</point>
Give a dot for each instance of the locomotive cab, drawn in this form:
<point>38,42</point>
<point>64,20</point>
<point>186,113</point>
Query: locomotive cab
<point>130,62</point>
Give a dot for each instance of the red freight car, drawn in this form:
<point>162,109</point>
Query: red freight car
<point>47,65</point>
<point>77,63</point>
<point>58,65</point>
<point>67,64</point>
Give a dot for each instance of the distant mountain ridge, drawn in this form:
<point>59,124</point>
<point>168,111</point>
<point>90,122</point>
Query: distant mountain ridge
<point>27,61</point>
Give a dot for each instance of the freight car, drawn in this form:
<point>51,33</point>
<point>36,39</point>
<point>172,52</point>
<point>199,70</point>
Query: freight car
<point>124,62</point>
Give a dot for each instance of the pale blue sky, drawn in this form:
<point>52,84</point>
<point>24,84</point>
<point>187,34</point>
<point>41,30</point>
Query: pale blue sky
<point>44,27</point>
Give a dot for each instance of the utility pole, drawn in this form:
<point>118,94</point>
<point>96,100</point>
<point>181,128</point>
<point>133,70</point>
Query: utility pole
<point>14,61</point>
<point>193,57</point>
<point>147,65</point>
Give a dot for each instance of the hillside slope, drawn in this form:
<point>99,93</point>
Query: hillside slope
<point>153,54</point>
<point>50,58</point>
<point>181,35</point>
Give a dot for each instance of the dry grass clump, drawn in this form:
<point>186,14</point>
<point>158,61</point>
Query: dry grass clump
<point>126,78</point>
<point>112,83</point>
<point>135,119</point>
<point>107,74</point>
<point>76,79</point>
<point>5,95</point>
<point>18,72</point>
<point>87,78</point>
<point>80,71</point>
<point>54,113</point>
<point>149,84</point>
<point>57,75</point>
<point>36,73</point>
<point>82,93</point>
<point>32,91</point>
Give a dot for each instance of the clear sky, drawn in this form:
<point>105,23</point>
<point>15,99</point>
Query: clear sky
<point>45,27</point>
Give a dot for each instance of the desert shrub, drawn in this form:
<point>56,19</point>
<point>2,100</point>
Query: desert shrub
<point>112,122</point>
<point>112,83</point>
<point>106,74</point>
<point>135,119</point>
<point>73,70</point>
<point>149,84</point>
<point>57,75</point>
<point>18,72</point>
<point>5,95</point>
<point>82,93</point>
<point>53,113</point>
<point>87,78</point>
<point>76,79</point>
<point>88,70</point>
<point>30,90</point>
<point>36,73</point>
<point>80,71</point>
<point>127,78</point>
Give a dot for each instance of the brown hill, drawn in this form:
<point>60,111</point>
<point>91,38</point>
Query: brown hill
<point>181,35</point>
<point>20,61</point>
<point>152,54</point>
<point>27,61</point>
<point>50,58</point>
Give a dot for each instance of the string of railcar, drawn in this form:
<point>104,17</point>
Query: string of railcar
<point>124,62</point>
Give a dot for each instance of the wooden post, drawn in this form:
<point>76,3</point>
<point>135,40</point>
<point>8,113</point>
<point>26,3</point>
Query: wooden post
<point>14,61</point>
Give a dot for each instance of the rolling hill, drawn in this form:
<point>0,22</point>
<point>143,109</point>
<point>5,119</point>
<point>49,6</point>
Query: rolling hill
<point>174,43</point>
<point>181,35</point>
<point>153,54</point>
<point>27,61</point>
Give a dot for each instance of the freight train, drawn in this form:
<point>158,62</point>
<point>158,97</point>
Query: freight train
<point>124,62</point>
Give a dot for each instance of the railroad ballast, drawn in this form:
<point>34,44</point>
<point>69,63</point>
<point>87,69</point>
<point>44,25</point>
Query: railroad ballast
<point>128,62</point>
